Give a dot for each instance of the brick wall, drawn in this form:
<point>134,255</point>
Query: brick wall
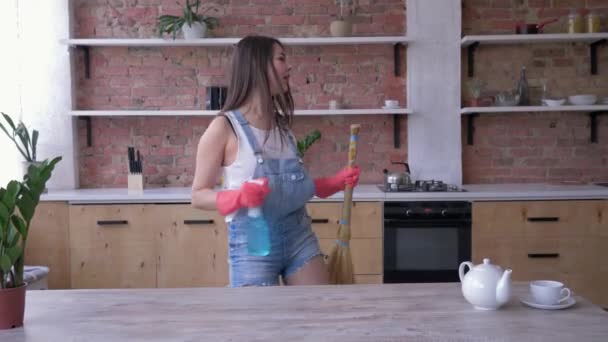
<point>176,78</point>
<point>534,147</point>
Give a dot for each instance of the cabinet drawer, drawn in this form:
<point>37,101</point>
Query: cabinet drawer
<point>366,219</point>
<point>536,219</point>
<point>112,246</point>
<point>366,254</point>
<point>193,247</point>
<point>534,259</point>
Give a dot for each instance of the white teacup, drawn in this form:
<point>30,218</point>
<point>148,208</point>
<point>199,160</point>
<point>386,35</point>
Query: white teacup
<point>549,292</point>
<point>391,103</point>
<point>334,104</point>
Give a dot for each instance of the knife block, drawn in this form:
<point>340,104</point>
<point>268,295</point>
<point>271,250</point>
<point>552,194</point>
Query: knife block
<point>135,182</point>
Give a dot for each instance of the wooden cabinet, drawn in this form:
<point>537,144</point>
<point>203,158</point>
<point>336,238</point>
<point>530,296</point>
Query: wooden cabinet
<point>366,235</point>
<point>193,247</point>
<point>48,242</point>
<point>175,245</point>
<point>113,246</point>
<point>543,240</point>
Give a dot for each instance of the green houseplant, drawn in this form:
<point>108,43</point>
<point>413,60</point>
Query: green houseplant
<point>191,22</point>
<point>18,202</point>
<point>19,134</point>
<point>24,141</point>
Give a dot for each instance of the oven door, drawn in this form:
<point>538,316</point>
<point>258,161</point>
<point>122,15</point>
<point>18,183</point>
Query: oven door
<point>425,250</point>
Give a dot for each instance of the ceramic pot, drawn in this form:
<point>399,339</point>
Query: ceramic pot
<point>196,31</point>
<point>341,28</point>
<point>12,307</point>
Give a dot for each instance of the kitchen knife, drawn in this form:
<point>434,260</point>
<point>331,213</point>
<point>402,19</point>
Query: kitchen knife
<point>131,156</point>
<point>139,166</point>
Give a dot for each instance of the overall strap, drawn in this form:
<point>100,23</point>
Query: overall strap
<point>294,146</point>
<point>253,142</point>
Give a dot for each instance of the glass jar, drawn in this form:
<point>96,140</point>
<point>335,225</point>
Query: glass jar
<point>575,22</point>
<point>593,22</point>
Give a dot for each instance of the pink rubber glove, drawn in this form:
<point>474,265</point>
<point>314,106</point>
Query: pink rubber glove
<point>325,187</point>
<point>250,195</point>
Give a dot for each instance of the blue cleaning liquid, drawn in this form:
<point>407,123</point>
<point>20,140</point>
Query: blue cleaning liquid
<point>258,233</point>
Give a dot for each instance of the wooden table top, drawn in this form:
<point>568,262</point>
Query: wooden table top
<point>387,312</point>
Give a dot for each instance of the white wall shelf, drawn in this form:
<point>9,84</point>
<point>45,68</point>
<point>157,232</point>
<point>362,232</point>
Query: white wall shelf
<point>594,111</point>
<point>87,43</point>
<point>87,114</point>
<point>497,109</point>
<point>298,112</point>
<point>216,42</point>
<point>592,39</point>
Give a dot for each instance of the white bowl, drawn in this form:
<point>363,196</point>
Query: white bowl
<point>582,100</point>
<point>554,102</point>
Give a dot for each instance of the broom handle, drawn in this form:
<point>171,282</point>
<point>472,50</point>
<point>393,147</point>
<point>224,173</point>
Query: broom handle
<point>348,191</point>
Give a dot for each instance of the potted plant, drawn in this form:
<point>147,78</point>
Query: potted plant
<point>310,139</point>
<point>25,143</point>
<point>342,26</point>
<point>476,88</point>
<point>194,24</point>
<point>18,202</point>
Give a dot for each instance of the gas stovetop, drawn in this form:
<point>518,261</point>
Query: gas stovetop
<point>421,186</point>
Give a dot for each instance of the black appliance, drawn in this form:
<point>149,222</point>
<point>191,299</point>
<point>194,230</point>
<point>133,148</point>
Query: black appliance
<point>425,241</point>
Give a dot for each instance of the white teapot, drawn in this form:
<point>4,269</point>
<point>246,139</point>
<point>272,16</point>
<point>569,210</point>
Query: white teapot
<point>486,286</point>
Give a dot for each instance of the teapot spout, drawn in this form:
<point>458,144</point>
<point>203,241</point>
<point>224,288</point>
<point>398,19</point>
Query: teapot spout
<point>503,288</point>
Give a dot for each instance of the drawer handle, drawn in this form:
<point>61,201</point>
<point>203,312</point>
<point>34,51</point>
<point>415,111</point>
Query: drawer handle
<point>543,219</point>
<point>199,221</point>
<point>320,220</point>
<point>112,222</point>
<point>543,255</point>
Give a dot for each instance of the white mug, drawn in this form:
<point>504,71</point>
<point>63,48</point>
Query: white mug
<point>549,292</point>
<point>334,104</point>
<point>391,103</point>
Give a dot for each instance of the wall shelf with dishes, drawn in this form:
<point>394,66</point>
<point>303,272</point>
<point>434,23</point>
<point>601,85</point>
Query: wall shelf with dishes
<point>593,111</point>
<point>594,40</point>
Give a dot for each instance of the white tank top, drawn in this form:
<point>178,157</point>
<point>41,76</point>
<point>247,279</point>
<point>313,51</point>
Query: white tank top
<point>243,167</point>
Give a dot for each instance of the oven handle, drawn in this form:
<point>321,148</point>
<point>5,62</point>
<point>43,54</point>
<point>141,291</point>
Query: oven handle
<point>404,224</point>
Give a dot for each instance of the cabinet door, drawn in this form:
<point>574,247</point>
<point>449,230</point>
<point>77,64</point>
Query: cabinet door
<point>48,242</point>
<point>112,246</point>
<point>193,247</point>
<point>366,235</point>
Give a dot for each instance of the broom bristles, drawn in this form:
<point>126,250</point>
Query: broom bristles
<point>340,265</point>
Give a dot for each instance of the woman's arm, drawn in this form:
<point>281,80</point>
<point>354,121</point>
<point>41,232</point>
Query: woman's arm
<point>209,158</point>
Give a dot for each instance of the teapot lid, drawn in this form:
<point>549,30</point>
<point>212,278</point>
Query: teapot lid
<point>488,266</point>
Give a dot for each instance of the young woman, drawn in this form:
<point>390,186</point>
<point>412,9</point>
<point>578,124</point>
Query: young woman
<point>251,139</point>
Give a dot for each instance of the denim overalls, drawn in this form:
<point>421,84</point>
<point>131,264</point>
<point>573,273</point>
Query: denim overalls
<point>292,242</point>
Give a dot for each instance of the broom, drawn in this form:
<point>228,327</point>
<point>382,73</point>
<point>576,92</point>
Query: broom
<point>340,259</point>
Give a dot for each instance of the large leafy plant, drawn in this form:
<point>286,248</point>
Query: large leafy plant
<point>19,134</point>
<point>172,24</point>
<point>18,202</point>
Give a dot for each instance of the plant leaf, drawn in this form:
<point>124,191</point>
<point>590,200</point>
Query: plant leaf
<point>19,225</point>
<point>9,120</point>
<point>5,263</point>
<point>34,143</point>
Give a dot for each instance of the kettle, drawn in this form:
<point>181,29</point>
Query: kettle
<point>486,286</point>
<point>392,180</point>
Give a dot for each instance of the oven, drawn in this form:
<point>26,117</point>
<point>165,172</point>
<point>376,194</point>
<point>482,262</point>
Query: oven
<point>425,242</point>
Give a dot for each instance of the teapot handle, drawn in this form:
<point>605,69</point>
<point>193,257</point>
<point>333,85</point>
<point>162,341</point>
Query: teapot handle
<point>461,269</point>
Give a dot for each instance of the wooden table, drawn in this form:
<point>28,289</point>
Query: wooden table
<point>390,312</point>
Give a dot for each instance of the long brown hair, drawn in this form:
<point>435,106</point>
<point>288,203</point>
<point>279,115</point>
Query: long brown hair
<point>253,55</point>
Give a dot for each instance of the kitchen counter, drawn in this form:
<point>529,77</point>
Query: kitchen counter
<point>363,192</point>
<point>389,312</point>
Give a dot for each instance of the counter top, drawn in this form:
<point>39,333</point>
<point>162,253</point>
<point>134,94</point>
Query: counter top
<point>381,312</point>
<point>363,192</point>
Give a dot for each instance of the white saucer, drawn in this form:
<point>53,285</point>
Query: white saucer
<point>385,107</point>
<point>529,301</point>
